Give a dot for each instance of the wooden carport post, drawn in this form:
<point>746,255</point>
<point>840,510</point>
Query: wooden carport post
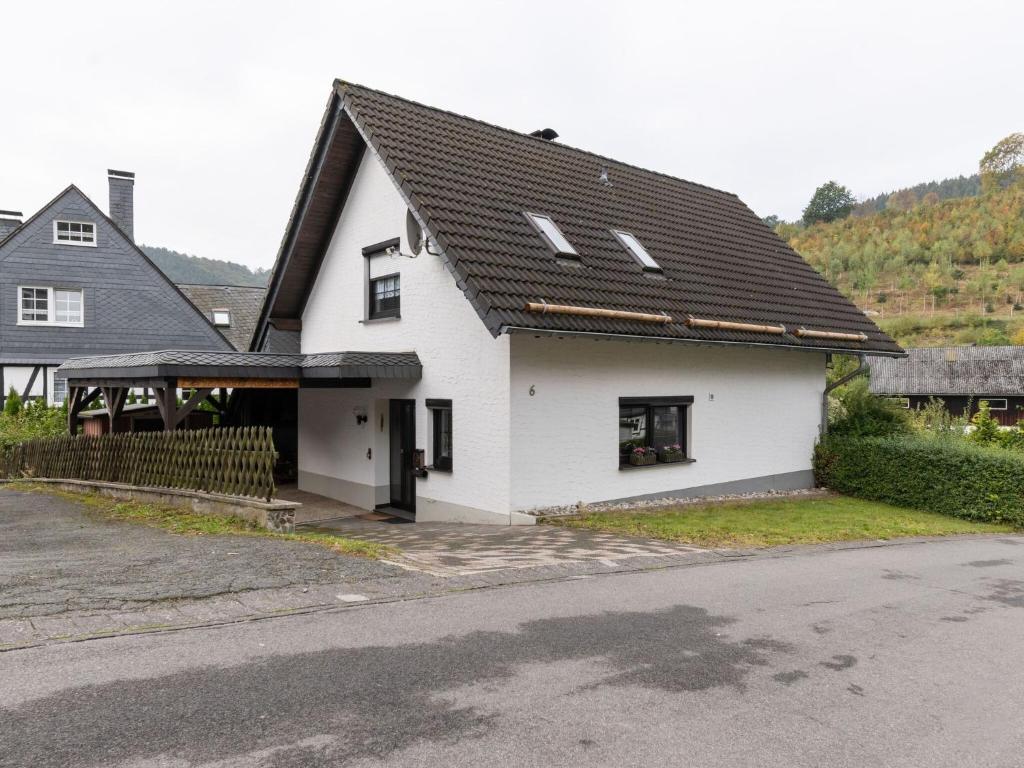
<point>77,402</point>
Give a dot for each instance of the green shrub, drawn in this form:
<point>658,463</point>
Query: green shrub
<point>865,415</point>
<point>36,419</point>
<point>953,477</point>
<point>12,405</point>
<point>986,428</point>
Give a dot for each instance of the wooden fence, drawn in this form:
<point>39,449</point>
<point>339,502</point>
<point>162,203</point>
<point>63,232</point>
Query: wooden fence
<point>238,461</point>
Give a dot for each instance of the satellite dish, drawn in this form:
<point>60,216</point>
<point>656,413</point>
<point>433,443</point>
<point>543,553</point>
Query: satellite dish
<point>413,233</point>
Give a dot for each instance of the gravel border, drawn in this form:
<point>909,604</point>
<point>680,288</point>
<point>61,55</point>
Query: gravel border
<point>580,508</point>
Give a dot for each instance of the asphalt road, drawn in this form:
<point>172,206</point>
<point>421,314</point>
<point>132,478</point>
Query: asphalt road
<point>891,656</point>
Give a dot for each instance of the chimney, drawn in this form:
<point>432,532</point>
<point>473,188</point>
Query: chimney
<point>122,200</point>
<point>548,134</point>
<point>9,221</point>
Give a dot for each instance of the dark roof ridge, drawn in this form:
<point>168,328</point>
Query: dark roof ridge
<point>223,285</point>
<point>340,86</point>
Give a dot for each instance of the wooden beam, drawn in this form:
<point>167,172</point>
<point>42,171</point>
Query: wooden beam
<point>77,403</point>
<point>166,403</point>
<point>831,335</point>
<point>238,383</point>
<point>190,405</point>
<point>31,381</point>
<point>726,325</point>
<point>614,314</point>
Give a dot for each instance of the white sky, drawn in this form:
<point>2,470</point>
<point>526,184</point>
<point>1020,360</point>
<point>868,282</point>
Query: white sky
<point>215,105</point>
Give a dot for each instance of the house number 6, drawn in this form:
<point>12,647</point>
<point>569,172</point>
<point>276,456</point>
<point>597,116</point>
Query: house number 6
<point>533,390</point>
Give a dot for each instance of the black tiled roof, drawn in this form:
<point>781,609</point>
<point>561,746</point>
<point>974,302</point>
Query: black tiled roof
<point>951,371</point>
<point>470,182</point>
<point>243,302</point>
<point>244,364</point>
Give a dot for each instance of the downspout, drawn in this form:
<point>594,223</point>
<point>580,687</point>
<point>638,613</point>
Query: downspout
<point>861,370</point>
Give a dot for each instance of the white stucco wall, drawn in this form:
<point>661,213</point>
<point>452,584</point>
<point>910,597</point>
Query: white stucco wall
<point>461,362</point>
<point>762,421</point>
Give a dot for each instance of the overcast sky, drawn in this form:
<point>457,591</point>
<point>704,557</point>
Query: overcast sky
<point>215,105</point>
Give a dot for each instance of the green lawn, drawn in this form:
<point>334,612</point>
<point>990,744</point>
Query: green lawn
<point>766,523</point>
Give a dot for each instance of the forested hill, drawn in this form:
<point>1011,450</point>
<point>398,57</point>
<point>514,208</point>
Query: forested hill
<point>961,186</point>
<point>941,271</point>
<point>182,268</point>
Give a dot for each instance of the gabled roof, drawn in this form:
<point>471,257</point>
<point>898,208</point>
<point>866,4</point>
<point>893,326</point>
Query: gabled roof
<point>243,302</point>
<point>951,371</point>
<point>469,184</point>
<point>161,275</point>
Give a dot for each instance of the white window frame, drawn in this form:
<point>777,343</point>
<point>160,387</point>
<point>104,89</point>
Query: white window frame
<point>902,402</point>
<point>51,306</point>
<point>636,249</point>
<point>555,239</point>
<point>56,241</point>
<point>226,313</point>
<point>990,400</point>
<point>53,389</point>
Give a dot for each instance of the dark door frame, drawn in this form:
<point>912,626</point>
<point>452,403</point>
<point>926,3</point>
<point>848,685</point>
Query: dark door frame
<point>401,453</point>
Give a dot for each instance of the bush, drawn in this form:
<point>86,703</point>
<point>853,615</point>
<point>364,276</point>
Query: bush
<point>865,415</point>
<point>36,419</point>
<point>952,477</point>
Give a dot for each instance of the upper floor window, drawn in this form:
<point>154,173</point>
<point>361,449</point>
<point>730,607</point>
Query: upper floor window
<point>222,317</point>
<point>552,235</point>
<point>74,232</point>
<point>385,296</point>
<point>640,253</point>
<point>39,305</point>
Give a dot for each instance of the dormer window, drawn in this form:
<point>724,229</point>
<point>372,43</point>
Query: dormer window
<point>222,317</point>
<point>631,244</point>
<point>552,235</point>
<point>74,232</point>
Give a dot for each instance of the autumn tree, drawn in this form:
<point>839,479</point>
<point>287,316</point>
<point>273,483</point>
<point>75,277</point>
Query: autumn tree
<point>1003,165</point>
<point>903,200</point>
<point>831,201</point>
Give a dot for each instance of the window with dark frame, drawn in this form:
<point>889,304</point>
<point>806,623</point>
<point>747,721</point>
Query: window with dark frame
<point>385,296</point>
<point>441,432</point>
<point>655,422</point>
<point>996,403</point>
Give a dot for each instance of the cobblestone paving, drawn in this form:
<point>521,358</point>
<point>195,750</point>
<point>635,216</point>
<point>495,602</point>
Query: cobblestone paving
<point>464,550</point>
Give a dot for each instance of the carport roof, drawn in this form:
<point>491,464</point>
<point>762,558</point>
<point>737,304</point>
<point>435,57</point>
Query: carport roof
<point>245,365</point>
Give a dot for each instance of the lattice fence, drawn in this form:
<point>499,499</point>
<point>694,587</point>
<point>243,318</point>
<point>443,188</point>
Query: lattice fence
<point>234,460</point>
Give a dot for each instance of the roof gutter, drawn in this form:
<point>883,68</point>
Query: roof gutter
<point>860,371</point>
<point>510,329</point>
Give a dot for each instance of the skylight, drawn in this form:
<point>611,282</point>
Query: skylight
<point>639,252</point>
<point>553,235</point>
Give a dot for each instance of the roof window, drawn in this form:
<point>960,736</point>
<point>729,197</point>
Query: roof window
<point>222,317</point>
<point>552,235</point>
<point>640,253</point>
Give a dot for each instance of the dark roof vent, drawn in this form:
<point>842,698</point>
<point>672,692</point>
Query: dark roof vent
<point>548,134</point>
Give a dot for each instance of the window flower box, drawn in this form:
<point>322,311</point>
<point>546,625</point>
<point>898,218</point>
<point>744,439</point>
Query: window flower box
<point>669,454</point>
<point>642,457</point>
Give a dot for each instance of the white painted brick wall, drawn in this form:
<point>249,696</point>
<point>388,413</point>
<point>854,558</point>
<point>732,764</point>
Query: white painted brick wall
<point>461,360</point>
<point>763,419</point>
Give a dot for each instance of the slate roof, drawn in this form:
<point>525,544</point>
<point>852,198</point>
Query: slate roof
<point>470,182</point>
<point>243,302</point>
<point>399,365</point>
<point>951,371</point>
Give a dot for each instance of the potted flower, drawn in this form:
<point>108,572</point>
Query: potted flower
<point>641,456</point>
<point>671,453</point>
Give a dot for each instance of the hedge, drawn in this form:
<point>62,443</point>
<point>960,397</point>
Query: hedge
<point>948,476</point>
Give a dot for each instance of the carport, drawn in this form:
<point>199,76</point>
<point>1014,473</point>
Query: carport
<point>218,378</point>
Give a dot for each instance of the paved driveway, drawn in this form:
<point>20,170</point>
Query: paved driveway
<point>448,549</point>
<point>55,557</point>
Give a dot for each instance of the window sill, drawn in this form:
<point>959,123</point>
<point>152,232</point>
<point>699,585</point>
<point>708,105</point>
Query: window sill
<point>74,244</point>
<point>631,467</point>
<point>438,469</point>
<point>383,319</point>
<point>47,323</point>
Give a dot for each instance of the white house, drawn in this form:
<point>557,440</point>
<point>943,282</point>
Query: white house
<point>566,309</point>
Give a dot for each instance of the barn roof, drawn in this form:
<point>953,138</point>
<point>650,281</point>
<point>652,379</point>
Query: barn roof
<point>951,371</point>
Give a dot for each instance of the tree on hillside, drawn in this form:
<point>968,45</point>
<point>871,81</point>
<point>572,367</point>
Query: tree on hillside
<point>903,200</point>
<point>1003,165</point>
<point>831,201</point>
<point>772,221</point>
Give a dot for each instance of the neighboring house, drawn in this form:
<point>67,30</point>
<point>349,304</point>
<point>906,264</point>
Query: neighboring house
<point>73,283</point>
<point>960,377</point>
<point>483,321</point>
<point>233,309</point>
